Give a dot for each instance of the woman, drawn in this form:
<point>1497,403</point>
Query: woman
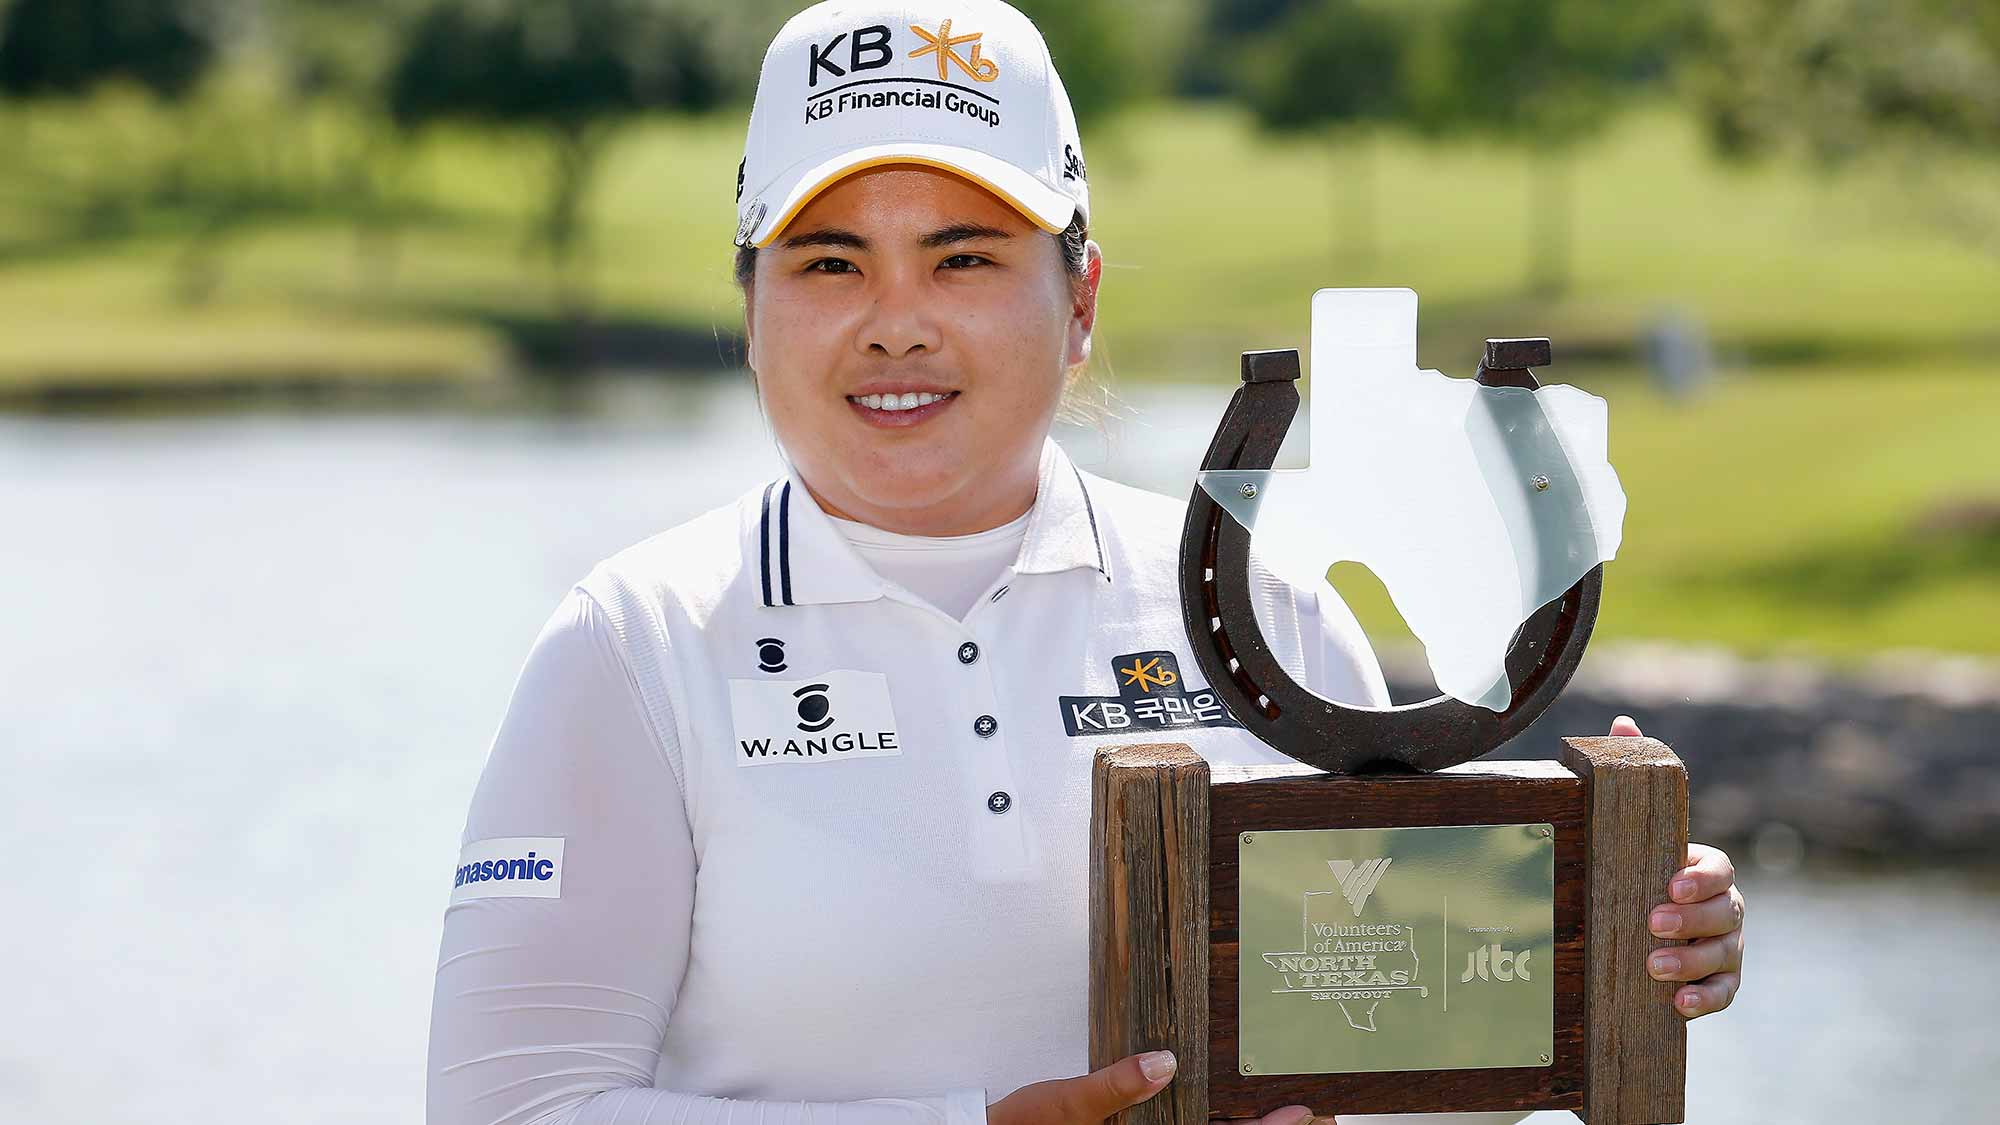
<point>787,814</point>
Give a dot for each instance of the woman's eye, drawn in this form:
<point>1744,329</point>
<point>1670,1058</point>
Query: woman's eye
<point>834,265</point>
<point>968,259</point>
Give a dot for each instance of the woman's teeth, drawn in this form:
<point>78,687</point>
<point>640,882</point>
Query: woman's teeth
<point>898,402</point>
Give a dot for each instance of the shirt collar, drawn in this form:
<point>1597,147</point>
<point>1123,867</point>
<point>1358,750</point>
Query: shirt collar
<point>801,558</point>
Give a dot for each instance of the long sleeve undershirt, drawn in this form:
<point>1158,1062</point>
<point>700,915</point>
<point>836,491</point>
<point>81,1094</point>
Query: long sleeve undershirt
<point>554,1016</point>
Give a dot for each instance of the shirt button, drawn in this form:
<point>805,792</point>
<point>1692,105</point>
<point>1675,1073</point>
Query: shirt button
<point>984,726</point>
<point>968,652</point>
<point>1000,802</point>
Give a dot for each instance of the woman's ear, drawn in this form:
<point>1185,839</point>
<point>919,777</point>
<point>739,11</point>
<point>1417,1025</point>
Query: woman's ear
<point>1083,306</point>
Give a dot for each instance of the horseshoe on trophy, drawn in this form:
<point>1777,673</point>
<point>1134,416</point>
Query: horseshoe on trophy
<point>1230,647</point>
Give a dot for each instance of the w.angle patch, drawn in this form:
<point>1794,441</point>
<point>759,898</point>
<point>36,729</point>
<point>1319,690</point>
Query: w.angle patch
<point>836,716</point>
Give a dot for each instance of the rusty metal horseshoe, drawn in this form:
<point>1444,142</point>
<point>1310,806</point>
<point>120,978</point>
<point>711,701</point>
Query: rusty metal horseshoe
<point>1238,663</point>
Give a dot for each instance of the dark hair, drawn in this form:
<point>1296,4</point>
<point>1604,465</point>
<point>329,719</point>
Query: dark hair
<point>1071,240</point>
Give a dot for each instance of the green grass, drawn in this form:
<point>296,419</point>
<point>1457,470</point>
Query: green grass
<point>1794,509</point>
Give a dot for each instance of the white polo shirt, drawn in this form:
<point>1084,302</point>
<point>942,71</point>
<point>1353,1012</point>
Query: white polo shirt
<point>804,844</point>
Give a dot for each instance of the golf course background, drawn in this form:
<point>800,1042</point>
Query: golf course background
<point>1834,487</point>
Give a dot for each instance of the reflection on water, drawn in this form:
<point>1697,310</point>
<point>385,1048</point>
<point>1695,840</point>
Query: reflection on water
<point>250,669</point>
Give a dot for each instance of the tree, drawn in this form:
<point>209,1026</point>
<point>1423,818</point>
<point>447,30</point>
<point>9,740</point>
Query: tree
<point>1838,78</point>
<point>1337,66</point>
<point>571,70</point>
<point>1210,63</point>
<point>1099,49</point>
<point>68,46</point>
<point>1547,74</point>
<point>1842,81</point>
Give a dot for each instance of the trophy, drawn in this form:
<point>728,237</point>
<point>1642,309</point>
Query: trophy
<point>1393,925</point>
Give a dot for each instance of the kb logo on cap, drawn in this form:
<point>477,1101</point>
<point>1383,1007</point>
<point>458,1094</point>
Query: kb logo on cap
<point>868,49</point>
<point>942,44</point>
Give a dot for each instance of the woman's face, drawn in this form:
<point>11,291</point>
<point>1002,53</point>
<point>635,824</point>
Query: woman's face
<point>907,279</point>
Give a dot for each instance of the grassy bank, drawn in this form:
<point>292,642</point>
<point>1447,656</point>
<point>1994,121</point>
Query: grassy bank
<point>1841,510</point>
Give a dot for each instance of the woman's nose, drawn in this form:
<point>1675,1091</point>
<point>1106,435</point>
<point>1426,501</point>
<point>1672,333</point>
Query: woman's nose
<point>901,319</point>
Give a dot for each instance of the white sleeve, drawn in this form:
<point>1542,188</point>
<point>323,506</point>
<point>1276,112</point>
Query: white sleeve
<point>554,988</point>
<point>1340,663</point>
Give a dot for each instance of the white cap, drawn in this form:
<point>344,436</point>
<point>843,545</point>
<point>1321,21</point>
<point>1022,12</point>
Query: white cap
<point>965,85</point>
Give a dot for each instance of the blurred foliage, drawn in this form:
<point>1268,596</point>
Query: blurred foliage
<point>1336,66</point>
<point>1108,53</point>
<point>1338,62</point>
<point>340,48</point>
<point>1212,64</point>
<point>563,65</point>
<point>571,70</point>
<point>1543,74</point>
<point>1841,78</point>
<point>319,111</point>
<point>68,46</point>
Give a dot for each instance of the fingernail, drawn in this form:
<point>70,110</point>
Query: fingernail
<point>1689,999</point>
<point>1683,888</point>
<point>1664,963</point>
<point>1301,1115</point>
<point>1157,1065</point>
<point>1666,922</point>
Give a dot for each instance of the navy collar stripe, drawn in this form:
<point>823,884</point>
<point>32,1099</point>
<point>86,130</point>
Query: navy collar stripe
<point>764,540</point>
<point>785,543</point>
<point>1063,533</point>
<point>1092,513</point>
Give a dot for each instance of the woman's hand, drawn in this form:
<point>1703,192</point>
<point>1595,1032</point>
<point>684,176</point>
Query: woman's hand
<point>1090,1098</point>
<point>1704,907</point>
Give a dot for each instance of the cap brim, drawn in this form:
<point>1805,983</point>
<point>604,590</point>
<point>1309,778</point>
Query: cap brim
<point>1046,207</point>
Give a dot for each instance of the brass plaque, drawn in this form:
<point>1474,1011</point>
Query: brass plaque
<point>1369,949</point>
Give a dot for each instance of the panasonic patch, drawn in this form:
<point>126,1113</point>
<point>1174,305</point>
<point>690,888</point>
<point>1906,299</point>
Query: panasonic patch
<point>509,867</point>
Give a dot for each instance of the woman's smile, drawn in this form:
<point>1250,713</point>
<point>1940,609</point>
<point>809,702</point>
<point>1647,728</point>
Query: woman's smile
<point>910,408</point>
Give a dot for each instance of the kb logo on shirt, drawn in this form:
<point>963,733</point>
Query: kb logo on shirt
<point>1151,696</point>
<point>779,721</point>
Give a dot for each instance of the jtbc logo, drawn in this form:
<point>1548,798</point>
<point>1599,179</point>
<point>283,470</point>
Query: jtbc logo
<point>1492,962</point>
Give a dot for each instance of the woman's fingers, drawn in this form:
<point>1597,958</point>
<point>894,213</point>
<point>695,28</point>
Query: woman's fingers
<point>1089,1098</point>
<point>1708,873</point>
<point>1123,1084</point>
<point>1710,995</point>
<point>1698,959</point>
<point>1708,918</point>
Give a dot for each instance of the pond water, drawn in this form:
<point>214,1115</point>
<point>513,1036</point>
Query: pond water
<point>250,668</point>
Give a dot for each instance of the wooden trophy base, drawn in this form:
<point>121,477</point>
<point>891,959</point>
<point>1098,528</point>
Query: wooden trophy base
<point>1164,925</point>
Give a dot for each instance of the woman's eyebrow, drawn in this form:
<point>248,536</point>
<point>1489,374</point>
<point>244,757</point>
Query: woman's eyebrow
<point>827,236</point>
<point>961,232</point>
<point>943,236</point>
